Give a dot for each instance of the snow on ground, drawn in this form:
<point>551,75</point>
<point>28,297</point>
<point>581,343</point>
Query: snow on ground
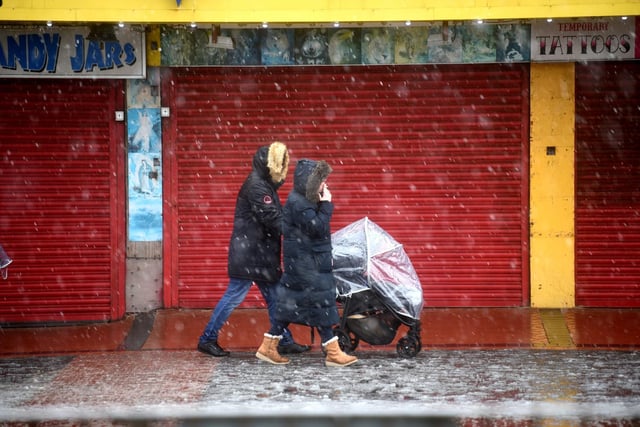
<point>463,383</point>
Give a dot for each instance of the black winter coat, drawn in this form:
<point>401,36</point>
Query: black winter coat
<point>255,246</point>
<point>306,294</point>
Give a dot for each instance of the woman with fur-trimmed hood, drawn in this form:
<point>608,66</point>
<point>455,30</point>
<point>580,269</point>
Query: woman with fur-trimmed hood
<point>254,248</point>
<point>306,294</point>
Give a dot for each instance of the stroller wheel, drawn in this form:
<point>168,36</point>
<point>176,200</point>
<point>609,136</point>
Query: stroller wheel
<point>408,347</point>
<point>346,339</point>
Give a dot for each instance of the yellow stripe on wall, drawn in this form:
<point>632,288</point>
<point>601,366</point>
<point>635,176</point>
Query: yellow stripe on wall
<point>552,172</point>
<point>295,11</point>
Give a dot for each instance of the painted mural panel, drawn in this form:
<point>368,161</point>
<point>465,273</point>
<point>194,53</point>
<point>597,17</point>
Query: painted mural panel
<point>438,42</point>
<point>144,129</point>
<point>344,46</point>
<point>495,43</point>
<point>312,46</point>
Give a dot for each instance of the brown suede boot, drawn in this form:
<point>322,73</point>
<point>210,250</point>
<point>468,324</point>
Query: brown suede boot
<point>335,356</point>
<point>268,350</point>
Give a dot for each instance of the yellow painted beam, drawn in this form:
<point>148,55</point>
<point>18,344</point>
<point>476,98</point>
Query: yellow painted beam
<point>551,178</point>
<point>153,46</point>
<point>295,11</point>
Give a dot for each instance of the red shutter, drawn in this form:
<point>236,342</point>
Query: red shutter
<point>608,184</point>
<point>436,155</point>
<point>61,200</point>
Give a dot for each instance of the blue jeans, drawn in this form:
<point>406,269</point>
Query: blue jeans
<point>236,292</point>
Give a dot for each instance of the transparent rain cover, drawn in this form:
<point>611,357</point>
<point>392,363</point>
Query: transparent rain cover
<point>366,257</point>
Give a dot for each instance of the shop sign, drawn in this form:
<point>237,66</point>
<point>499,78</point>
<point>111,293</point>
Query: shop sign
<point>584,39</point>
<point>97,51</point>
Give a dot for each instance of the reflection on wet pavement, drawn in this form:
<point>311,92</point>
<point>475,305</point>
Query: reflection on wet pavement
<point>465,384</point>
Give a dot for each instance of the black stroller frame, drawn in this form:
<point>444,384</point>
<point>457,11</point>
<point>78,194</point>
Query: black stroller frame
<point>366,317</point>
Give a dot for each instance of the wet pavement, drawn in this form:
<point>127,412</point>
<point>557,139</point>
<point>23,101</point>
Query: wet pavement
<point>549,381</point>
<point>516,384</point>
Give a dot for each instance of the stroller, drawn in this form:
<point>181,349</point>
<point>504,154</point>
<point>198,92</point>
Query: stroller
<point>378,288</point>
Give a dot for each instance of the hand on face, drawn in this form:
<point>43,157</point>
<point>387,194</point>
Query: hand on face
<point>325,194</point>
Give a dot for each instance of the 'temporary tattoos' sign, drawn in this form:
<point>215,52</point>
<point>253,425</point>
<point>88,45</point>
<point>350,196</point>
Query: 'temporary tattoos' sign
<point>97,51</point>
<point>579,40</point>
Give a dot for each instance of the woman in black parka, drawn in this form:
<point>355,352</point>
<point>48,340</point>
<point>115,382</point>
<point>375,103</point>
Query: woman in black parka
<point>306,293</point>
<point>254,248</point>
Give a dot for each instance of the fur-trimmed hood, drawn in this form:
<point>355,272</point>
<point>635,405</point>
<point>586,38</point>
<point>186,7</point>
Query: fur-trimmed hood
<point>272,161</point>
<point>308,176</point>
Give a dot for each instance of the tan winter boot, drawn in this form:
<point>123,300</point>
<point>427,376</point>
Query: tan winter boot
<point>335,356</point>
<point>268,350</point>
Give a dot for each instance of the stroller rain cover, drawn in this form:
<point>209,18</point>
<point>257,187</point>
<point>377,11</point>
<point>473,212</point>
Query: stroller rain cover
<point>366,257</point>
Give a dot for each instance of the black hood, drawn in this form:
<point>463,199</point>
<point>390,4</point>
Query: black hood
<point>308,176</point>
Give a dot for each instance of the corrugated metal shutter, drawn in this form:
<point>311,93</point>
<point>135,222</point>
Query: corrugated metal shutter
<point>436,155</point>
<point>608,184</point>
<point>62,200</point>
